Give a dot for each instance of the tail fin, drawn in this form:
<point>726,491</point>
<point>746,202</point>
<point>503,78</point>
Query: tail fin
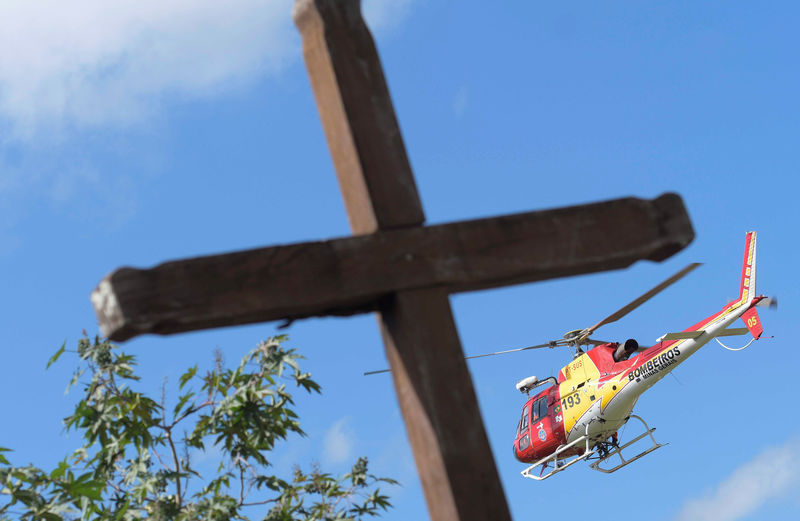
<point>743,307</point>
<point>747,287</point>
<point>753,322</point>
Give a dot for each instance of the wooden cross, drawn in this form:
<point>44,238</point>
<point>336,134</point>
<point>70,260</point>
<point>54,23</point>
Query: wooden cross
<point>393,265</point>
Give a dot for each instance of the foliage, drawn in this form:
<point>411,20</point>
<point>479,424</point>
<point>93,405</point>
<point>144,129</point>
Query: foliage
<point>138,456</point>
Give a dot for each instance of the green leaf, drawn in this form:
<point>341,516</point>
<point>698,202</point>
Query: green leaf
<point>188,375</point>
<point>55,357</point>
<point>59,471</point>
<point>89,489</point>
<point>182,401</point>
<point>75,377</point>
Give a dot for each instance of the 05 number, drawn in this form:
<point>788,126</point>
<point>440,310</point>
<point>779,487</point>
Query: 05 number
<point>752,321</point>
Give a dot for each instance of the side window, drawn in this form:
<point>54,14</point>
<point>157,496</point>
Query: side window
<point>542,403</point>
<point>524,421</point>
<point>539,409</point>
<point>524,443</point>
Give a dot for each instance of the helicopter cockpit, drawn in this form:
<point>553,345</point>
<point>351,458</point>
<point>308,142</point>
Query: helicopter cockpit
<point>536,434</point>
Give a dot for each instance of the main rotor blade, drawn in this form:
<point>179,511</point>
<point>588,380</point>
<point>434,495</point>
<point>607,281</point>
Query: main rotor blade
<point>554,343</point>
<point>642,299</point>
<point>379,371</point>
<point>549,344</point>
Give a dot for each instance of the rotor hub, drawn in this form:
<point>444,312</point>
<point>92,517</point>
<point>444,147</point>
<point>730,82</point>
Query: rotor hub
<point>573,336</point>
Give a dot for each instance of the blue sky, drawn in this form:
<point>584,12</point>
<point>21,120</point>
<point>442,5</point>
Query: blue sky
<point>159,131</point>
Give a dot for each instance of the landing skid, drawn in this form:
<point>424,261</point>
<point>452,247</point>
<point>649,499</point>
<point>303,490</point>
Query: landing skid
<point>560,464</point>
<point>603,450</point>
<point>609,450</point>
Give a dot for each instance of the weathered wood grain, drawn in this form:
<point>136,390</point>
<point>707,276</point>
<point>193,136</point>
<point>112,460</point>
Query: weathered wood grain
<point>349,275</point>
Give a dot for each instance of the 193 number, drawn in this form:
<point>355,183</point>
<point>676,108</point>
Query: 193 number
<point>571,401</point>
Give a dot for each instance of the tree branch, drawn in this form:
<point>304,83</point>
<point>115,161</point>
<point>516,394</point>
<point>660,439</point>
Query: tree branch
<point>177,467</point>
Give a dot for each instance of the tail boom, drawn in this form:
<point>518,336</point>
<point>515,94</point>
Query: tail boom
<point>686,343</point>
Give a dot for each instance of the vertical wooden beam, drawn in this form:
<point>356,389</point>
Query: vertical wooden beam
<point>358,116</point>
<point>441,412</point>
<point>442,419</point>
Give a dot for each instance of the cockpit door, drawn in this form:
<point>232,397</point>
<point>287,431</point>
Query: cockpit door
<point>546,424</point>
<point>540,421</point>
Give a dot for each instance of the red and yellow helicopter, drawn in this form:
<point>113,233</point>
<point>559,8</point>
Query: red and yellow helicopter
<point>577,417</point>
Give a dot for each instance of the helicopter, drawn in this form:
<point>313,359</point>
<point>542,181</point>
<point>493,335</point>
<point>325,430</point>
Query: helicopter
<point>579,413</point>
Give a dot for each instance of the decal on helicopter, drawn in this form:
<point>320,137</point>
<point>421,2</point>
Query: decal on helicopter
<point>655,365</point>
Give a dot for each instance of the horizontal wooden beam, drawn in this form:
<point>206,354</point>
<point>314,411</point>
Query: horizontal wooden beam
<point>351,275</point>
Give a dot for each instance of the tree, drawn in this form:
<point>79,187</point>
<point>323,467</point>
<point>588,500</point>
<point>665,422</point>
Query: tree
<point>137,457</point>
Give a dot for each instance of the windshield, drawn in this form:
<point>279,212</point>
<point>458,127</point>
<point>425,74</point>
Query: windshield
<point>523,422</point>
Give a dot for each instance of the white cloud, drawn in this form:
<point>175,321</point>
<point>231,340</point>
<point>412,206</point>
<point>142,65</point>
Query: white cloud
<point>773,474</point>
<point>338,443</point>
<point>94,63</point>
<point>84,67</point>
<point>87,63</point>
